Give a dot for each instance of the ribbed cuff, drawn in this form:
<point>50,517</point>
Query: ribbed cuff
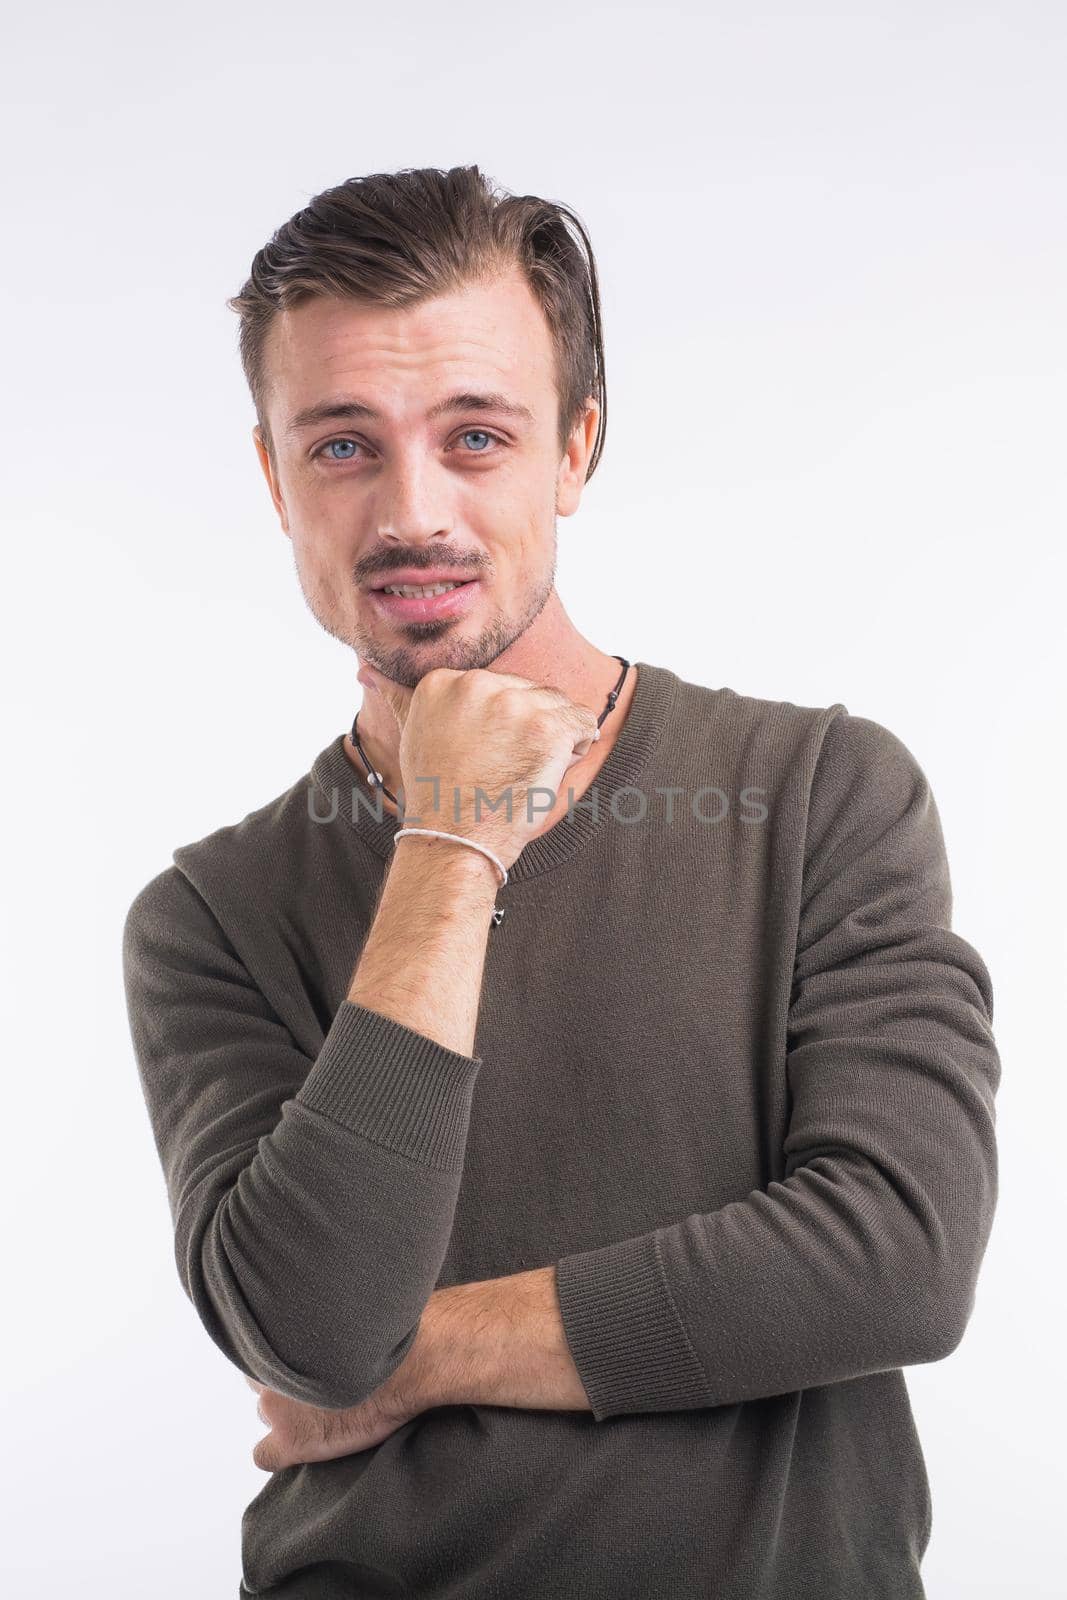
<point>393,1085</point>
<point>625,1337</point>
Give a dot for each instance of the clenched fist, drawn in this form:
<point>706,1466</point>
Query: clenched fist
<point>464,731</point>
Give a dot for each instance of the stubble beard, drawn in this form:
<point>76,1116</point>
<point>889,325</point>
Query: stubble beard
<point>404,663</point>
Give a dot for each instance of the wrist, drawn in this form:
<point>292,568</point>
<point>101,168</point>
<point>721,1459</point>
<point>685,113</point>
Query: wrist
<point>447,861</point>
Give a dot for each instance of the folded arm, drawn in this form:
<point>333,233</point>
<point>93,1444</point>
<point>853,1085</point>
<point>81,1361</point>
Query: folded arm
<point>865,1256</point>
<point>312,1199</point>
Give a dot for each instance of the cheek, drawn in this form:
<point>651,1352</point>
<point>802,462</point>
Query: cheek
<point>320,534</point>
<point>319,563</point>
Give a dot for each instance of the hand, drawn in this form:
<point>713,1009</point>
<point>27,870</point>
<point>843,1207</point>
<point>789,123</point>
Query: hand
<point>300,1432</point>
<point>480,729</point>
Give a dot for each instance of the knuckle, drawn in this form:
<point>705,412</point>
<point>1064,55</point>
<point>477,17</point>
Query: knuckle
<point>438,676</point>
<point>509,704</point>
<point>540,725</point>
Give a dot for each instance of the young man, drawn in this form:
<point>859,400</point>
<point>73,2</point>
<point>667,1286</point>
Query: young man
<point>573,1177</point>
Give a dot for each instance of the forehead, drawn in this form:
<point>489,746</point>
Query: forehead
<point>398,359</point>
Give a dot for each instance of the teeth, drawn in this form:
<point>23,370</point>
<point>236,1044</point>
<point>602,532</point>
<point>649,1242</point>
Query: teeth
<point>411,592</point>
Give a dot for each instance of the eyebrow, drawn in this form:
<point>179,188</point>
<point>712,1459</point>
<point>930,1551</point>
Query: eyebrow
<point>345,409</point>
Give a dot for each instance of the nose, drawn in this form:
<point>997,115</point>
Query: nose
<point>410,509</point>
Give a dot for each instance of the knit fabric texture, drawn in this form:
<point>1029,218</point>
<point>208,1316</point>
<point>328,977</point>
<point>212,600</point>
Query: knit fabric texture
<point>734,1077</point>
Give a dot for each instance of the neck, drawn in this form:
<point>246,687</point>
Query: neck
<point>550,652</point>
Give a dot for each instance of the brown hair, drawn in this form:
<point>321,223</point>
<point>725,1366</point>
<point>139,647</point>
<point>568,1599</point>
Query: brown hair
<point>397,238</point>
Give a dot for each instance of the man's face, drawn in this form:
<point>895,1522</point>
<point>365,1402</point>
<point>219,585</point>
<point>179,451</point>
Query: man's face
<point>472,493</point>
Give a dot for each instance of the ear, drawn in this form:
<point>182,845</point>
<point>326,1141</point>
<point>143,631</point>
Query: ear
<point>570,480</point>
<point>271,476</point>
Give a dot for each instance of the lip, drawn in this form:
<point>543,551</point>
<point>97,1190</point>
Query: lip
<point>429,607</point>
<point>420,577</point>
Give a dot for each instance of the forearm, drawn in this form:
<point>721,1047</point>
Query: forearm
<point>498,1343</point>
<point>423,960</point>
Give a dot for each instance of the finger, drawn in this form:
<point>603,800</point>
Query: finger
<point>587,731</point>
<point>582,717</point>
<point>396,696</point>
<point>513,680</point>
<point>575,758</point>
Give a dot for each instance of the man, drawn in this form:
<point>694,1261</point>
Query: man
<point>573,1176</point>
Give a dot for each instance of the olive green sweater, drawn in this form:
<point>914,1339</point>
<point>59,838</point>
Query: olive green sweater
<point>735,1077</point>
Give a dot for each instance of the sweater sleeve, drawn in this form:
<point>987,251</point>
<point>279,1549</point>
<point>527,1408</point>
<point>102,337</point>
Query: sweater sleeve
<point>865,1256</point>
<point>312,1199</point>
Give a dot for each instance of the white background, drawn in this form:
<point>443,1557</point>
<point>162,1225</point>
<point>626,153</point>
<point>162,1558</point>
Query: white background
<point>832,250</point>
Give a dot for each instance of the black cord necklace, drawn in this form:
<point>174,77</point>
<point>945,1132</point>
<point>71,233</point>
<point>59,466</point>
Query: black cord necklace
<point>374,778</point>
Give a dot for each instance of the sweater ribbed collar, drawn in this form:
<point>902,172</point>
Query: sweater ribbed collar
<point>650,709</point>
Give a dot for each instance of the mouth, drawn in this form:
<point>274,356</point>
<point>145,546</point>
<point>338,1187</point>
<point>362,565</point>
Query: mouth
<point>427,602</point>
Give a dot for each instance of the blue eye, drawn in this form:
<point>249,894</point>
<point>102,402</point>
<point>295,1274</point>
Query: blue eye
<point>353,445</point>
<point>332,442</point>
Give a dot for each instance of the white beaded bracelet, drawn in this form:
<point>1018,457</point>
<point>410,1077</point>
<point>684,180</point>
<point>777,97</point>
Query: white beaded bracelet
<point>435,833</point>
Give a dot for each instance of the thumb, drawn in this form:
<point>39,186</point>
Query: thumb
<point>395,695</point>
<point>265,1454</point>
